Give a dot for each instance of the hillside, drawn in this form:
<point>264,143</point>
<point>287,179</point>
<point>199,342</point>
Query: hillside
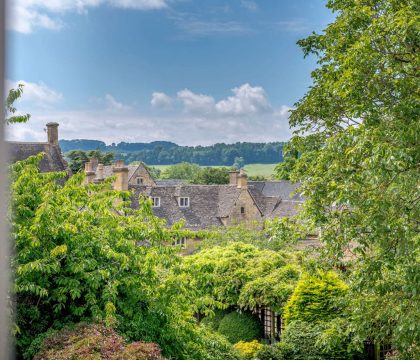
<point>168,153</point>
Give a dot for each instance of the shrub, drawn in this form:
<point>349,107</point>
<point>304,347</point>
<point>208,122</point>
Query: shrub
<point>213,322</point>
<point>240,326</point>
<point>269,352</point>
<point>94,341</point>
<point>316,298</point>
<point>248,350</point>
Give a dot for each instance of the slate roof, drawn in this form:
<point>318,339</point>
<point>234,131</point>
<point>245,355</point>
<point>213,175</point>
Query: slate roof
<point>52,161</point>
<point>210,203</point>
<point>108,171</point>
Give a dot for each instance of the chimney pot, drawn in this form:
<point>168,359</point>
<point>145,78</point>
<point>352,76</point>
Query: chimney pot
<point>233,177</point>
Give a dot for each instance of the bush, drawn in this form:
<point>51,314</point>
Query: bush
<point>248,350</point>
<point>94,341</point>
<point>269,352</point>
<point>316,298</point>
<point>240,326</point>
<point>213,322</point>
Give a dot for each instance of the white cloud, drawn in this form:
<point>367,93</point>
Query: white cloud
<point>249,5</point>
<point>25,15</point>
<point>36,93</point>
<point>196,102</point>
<point>246,100</point>
<point>160,100</point>
<point>114,105</point>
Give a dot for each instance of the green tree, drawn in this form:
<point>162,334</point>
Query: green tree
<point>284,169</point>
<point>10,110</point>
<point>183,171</point>
<point>358,132</point>
<point>239,162</point>
<point>78,158</point>
<point>212,175</point>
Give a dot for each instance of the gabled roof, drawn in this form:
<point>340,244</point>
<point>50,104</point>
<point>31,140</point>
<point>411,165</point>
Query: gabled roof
<point>282,189</point>
<point>52,161</point>
<point>108,171</point>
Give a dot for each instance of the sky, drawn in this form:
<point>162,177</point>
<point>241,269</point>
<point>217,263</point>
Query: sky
<point>195,72</point>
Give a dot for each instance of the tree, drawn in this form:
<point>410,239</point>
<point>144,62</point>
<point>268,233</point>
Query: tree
<point>78,158</point>
<point>284,169</point>
<point>239,162</point>
<point>183,171</point>
<point>211,176</point>
<point>10,110</point>
<point>358,128</point>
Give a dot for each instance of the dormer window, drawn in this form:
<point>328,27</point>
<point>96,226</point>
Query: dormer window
<point>184,202</point>
<point>156,202</point>
<point>139,181</point>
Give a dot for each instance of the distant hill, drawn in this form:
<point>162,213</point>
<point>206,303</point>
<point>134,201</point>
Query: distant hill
<point>168,153</point>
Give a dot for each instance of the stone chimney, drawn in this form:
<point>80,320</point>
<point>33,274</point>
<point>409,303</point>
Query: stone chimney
<point>100,172</point>
<point>120,171</point>
<point>233,177</point>
<point>94,161</point>
<point>242,180</point>
<point>89,173</point>
<point>52,131</point>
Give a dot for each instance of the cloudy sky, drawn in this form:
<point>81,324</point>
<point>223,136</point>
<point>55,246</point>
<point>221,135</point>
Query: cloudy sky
<point>189,71</point>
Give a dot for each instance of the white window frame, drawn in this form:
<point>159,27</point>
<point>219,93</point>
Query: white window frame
<point>184,202</point>
<point>155,201</point>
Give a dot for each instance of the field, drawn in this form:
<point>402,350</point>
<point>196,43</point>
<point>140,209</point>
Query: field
<point>250,169</point>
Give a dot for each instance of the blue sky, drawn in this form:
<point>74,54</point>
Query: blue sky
<point>188,71</point>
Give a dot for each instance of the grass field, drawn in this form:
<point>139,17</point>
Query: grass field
<point>250,169</point>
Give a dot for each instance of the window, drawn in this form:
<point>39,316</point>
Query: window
<point>242,210</point>
<point>156,202</point>
<point>184,202</point>
<point>182,242</point>
<point>139,181</point>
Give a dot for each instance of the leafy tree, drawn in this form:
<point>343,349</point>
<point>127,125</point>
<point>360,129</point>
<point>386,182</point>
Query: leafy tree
<point>239,162</point>
<point>212,175</point>
<point>78,158</point>
<point>77,258</point>
<point>248,350</point>
<point>10,110</point>
<point>184,171</point>
<point>358,134</point>
<point>284,169</point>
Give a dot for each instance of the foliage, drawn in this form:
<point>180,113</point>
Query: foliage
<point>211,175</point>
<point>316,298</point>
<point>77,259</point>
<point>248,350</point>
<point>269,352</point>
<point>183,171</point>
<point>213,320</point>
<point>358,134</point>
<point>240,275</point>
<point>78,158</point>
<point>305,340</point>
<point>239,162</point>
<point>273,234</point>
<point>163,152</point>
<point>94,341</point>
<point>240,326</point>
<point>257,178</point>
<point>285,168</point>
<point>10,110</point>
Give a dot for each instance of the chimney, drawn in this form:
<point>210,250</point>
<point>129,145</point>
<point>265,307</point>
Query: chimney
<point>94,161</point>
<point>120,171</point>
<point>52,131</point>
<point>242,180</point>
<point>100,172</point>
<point>233,177</point>
<point>89,173</point>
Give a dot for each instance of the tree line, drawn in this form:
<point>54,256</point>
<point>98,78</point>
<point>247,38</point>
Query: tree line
<point>167,153</point>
